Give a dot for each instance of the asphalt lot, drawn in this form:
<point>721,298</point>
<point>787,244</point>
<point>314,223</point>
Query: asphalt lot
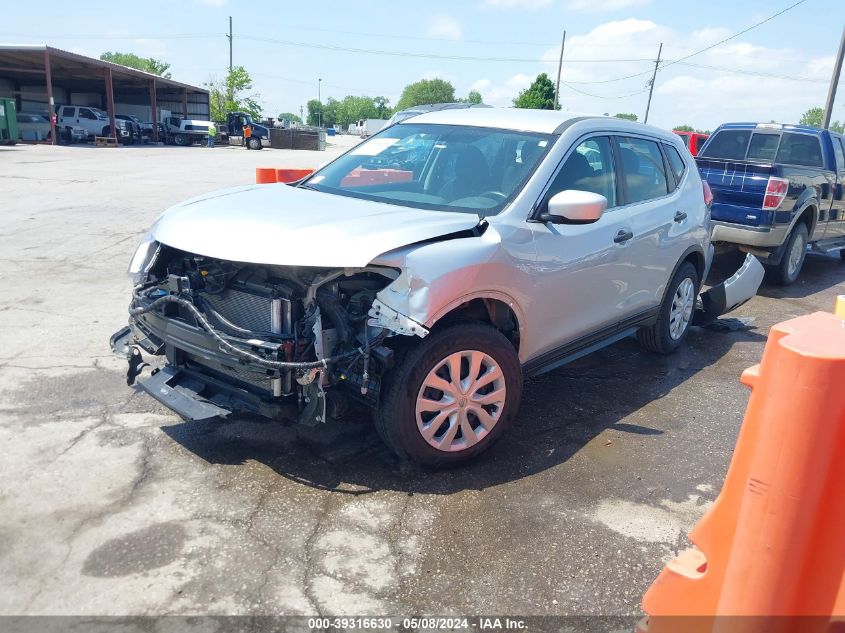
<point>111,505</point>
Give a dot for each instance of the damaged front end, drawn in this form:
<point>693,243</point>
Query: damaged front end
<point>284,342</point>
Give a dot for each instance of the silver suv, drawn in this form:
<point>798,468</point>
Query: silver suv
<point>425,273</point>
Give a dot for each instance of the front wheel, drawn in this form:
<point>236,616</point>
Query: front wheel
<point>675,315</point>
<point>254,143</point>
<point>451,396</point>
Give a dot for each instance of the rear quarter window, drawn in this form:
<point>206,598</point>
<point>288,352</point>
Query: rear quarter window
<point>800,149</point>
<point>675,162</point>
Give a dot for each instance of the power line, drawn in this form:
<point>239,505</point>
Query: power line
<point>755,73</point>
<point>370,51</point>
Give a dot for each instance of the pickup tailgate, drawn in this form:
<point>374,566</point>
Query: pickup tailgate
<point>738,189</point>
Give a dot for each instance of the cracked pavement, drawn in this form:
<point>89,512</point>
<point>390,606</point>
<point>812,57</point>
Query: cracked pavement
<point>112,505</point>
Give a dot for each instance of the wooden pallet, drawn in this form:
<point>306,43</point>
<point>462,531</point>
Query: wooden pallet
<point>105,141</point>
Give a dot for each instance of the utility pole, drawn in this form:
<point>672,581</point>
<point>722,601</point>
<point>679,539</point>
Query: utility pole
<point>301,120</point>
<point>320,99</point>
<point>230,43</point>
<point>651,86</point>
<point>559,66</point>
<point>831,92</point>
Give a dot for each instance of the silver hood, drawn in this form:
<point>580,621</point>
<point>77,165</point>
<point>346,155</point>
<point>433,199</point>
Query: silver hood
<point>286,226</point>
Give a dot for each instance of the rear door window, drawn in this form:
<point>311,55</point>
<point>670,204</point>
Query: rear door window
<point>644,173</point>
<point>66,111</point>
<point>840,154</point>
<point>800,149</point>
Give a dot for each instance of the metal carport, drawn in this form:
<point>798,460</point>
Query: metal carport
<point>40,77</point>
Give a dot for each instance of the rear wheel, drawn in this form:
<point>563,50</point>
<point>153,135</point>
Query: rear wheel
<point>675,315</point>
<point>181,140</point>
<point>790,265</point>
<point>451,396</point>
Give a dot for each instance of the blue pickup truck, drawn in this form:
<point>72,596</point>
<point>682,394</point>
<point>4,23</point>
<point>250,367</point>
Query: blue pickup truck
<point>776,190</point>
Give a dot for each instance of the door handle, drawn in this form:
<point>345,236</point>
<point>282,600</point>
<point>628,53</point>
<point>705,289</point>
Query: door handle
<point>623,236</point>
<point>680,216</point>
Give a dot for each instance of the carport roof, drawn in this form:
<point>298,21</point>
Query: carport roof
<point>20,62</point>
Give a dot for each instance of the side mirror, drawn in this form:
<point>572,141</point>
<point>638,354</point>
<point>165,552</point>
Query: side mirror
<point>571,205</point>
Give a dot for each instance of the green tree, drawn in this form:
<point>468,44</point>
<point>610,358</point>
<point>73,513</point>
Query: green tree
<point>626,115</point>
<point>382,105</point>
<point>147,64</point>
<point>313,107</point>
<point>473,97</point>
<point>226,95</point>
<point>289,116</point>
<point>684,128</point>
<point>813,117</point>
<point>426,91</point>
<point>540,95</point>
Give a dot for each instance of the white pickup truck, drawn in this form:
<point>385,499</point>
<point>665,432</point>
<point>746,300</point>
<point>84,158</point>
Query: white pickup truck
<point>184,132</point>
<point>94,121</point>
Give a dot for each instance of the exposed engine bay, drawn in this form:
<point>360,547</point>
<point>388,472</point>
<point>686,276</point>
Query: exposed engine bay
<point>267,339</point>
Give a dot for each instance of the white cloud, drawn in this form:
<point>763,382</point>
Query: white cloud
<point>710,88</point>
<point>502,93</point>
<point>518,4</point>
<point>444,26</point>
<point>595,6</point>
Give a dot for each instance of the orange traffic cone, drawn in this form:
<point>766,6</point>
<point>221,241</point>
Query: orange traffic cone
<point>770,552</point>
<point>264,175</point>
<point>292,175</point>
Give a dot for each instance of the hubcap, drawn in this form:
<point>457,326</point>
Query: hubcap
<point>682,306</point>
<point>460,400</point>
<point>795,254</point>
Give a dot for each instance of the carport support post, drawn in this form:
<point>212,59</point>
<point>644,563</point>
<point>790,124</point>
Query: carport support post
<point>184,103</point>
<point>51,111</point>
<point>110,103</point>
<point>154,108</point>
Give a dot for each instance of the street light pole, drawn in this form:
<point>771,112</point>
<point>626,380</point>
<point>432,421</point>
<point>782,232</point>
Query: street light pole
<point>320,99</point>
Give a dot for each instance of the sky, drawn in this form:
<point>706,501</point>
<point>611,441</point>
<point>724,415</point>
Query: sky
<point>775,71</point>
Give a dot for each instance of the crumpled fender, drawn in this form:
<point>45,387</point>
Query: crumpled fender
<point>438,276</point>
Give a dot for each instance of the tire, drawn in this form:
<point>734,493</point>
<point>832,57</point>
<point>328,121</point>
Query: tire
<point>675,315</point>
<point>181,140</point>
<point>254,143</point>
<point>842,254</point>
<point>401,418</point>
<point>787,271</point>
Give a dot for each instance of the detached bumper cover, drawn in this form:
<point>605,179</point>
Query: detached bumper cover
<point>179,393</point>
<point>731,293</point>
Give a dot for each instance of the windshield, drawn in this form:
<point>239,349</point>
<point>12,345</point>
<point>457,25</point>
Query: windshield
<point>438,167</point>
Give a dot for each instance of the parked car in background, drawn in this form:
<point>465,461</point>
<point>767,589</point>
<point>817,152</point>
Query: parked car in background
<point>132,124</point>
<point>693,140</point>
<point>146,127</point>
<point>33,126</point>
<point>776,189</point>
<point>94,121</point>
<point>502,253</point>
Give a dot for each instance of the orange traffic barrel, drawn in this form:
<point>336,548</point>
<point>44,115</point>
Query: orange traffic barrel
<point>264,175</point>
<point>769,553</point>
<point>292,175</point>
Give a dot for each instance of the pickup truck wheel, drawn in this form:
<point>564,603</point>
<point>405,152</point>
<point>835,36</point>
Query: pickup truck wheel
<point>181,140</point>
<point>790,265</point>
<point>254,143</point>
<point>452,396</point>
<point>675,315</point>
